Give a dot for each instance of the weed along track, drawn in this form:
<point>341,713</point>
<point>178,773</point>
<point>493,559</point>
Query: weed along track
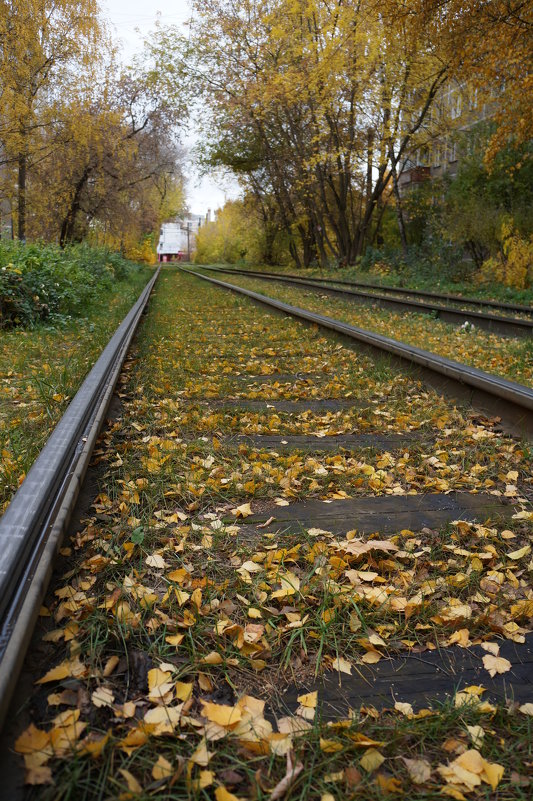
<point>303,574</point>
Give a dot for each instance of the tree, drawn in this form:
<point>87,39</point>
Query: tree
<point>315,106</point>
<point>43,43</point>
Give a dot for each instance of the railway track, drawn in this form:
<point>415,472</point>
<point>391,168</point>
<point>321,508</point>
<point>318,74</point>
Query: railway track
<point>506,325</point>
<point>313,400</point>
<point>33,524</point>
<point>513,402</point>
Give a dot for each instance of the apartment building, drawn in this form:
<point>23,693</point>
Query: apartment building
<point>455,114</point>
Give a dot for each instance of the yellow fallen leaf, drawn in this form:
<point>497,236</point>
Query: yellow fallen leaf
<point>388,784</point>
<point>155,560</point>
<point>221,714</point>
<point>476,734</point>
<point>496,664</point>
<point>162,769</point>
<point>221,794</point>
<point>158,679</point>
<point>201,755</point>
<point>32,741</point>
<point>371,760</point>
<point>453,792</point>
<point>405,708</point>
<point>175,639</point>
<point>526,709</point>
<point>290,584</point>
<point>309,699</point>
<point>55,674</point>
<point>133,784</point>
<point>492,648</point>
<point>242,511</point>
<point>183,690</point>
<point>212,658</point>
<point>162,719</point>
<point>280,743</point>
<point>492,773</point>
<point>520,553</point>
<point>133,740</point>
<point>103,696</point>
<point>362,741</point>
<point>470,769</point>
<point>330,746</point>
<point>342,665</point>
<point>371,657</point>
<point>94,744</point>
<point>110,665</point>
<point>205,779</point>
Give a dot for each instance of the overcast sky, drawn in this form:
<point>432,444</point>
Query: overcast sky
<point>125,17</point>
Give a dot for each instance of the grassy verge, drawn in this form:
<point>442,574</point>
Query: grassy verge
<point>41,368</point>
<point>506,356</point>
<point>171,634</point>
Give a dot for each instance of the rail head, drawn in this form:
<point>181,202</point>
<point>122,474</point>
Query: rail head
<point>512,326</point>
<point>468,301</point>
<point>496,386</point>
<point>28,520</point>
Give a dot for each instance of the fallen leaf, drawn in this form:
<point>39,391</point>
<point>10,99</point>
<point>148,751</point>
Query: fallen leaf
<point>131,781</point>
<point>242,511</point>
<point>221,714</point>
<point>282,787</point>
<point>419,770</point>
<point>496,664</point>
<point>371,760</point>
<point>162,769</point>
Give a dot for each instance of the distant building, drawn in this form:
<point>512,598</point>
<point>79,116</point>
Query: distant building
<point>177,240</point>
<point>457,111</point>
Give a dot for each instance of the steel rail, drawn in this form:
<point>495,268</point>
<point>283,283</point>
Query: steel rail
<point>512,401</point>
<point>510,326</point>
<point>494,304</point>
<point>33,524</point>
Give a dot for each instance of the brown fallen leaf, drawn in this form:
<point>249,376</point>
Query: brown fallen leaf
<point>419,770</point>
<point>282,787</point>
<point>267,523</point>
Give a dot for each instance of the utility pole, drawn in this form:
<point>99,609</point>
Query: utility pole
<point>188,241</point>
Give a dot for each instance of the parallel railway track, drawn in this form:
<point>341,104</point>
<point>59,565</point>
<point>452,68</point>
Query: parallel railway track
<point>438,306</point>
<point>512,401</point>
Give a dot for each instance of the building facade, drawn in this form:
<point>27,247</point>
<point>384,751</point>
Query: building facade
<point>177,239</point>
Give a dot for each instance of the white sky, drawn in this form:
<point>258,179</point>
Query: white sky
<point>125,17</point>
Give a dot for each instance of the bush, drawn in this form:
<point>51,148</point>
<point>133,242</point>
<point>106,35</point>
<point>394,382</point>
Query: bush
<point>513,266</point>
<point>44,282</point>
<point>431,259</point>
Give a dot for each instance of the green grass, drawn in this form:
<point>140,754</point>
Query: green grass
<point>42,367</point>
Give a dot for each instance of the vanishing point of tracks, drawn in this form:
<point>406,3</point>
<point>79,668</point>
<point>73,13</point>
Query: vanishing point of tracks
<point>304,400</point>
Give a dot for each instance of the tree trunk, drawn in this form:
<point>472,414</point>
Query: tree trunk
<point>69,221</point>
<point>21,196</point>
<point>399,210</point>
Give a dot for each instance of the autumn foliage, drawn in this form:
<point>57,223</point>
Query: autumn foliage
<point>317,108</point>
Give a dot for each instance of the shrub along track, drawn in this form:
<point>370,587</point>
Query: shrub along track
<point>274,505</point>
